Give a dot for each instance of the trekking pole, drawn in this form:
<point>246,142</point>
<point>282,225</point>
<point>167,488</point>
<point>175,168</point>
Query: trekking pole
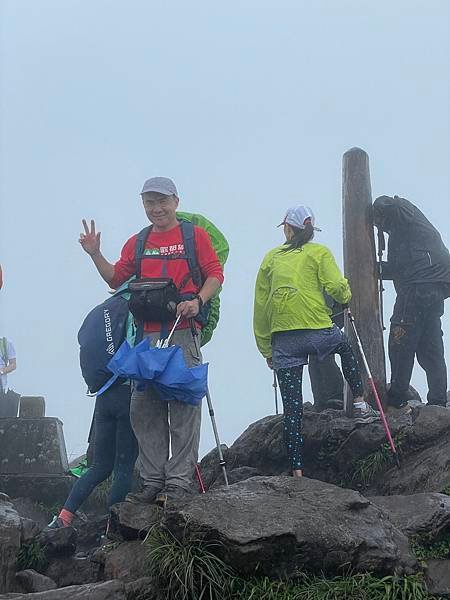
<point>210,409</point>
<point>201,485</point>
<point>165,343</point>
<point>275,388</point>
<point>348,400</point>
<point>374,389</point>
<point>381,247</point>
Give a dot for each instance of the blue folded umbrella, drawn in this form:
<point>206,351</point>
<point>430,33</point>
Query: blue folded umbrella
<point>163,368</point>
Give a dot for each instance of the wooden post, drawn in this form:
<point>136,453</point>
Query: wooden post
<point>360,263</point>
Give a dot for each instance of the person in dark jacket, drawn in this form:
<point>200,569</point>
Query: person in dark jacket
<point>418,263</point>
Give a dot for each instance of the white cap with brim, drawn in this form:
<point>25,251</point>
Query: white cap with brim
<point>161,185</point>
<point>297,217</point>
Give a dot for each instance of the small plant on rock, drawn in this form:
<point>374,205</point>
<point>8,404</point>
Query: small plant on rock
<point>186,569</point>
<point>32,556</point>
<point>424,548</point>
<point>368,468</point>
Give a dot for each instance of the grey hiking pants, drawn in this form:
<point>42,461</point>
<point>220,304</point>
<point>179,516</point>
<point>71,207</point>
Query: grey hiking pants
<point>162,424</point>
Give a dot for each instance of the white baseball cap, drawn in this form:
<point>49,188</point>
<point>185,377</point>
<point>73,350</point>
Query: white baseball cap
<point>297,217</point>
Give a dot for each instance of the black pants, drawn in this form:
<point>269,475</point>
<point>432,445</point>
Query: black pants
<point>416,332</point>
<point>326,379</point>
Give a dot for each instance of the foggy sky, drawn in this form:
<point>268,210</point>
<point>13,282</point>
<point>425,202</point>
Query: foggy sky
<point>248,106</point>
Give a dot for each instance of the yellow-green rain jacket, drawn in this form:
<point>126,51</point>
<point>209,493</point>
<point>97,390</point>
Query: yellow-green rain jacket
<point>289,292</point>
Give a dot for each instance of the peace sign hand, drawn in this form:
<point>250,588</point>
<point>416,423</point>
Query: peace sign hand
<point>90,240</point>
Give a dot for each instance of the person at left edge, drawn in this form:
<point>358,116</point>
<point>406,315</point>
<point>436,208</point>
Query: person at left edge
<point>160,425</point>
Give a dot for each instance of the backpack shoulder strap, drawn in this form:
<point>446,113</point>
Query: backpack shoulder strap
<point>141,240</point>
<point>188,233</point>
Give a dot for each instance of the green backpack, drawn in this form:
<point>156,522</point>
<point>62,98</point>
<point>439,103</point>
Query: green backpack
<point>222,249</point>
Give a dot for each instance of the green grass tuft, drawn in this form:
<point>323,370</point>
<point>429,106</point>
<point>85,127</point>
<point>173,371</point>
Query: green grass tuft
<point>424,548</point>
<point>362,586</point>
<point>368,468</point>
<point>31,556</point>
<point>186,570</point>
<point>189,569</point>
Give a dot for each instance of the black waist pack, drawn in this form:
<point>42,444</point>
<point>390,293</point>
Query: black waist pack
<point>153,299</point>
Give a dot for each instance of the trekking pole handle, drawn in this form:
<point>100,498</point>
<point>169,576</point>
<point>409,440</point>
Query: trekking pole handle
<point>167,341</point>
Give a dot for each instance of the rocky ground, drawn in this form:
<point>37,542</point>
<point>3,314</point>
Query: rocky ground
<point>353,508</point>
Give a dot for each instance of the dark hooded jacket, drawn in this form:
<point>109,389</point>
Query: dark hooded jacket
<point>416,252</point>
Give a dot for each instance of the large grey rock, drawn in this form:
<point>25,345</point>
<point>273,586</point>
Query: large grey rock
<point>417,514</point>
<point>31,581</point>
<point>73,570</point>
<point>128,562</point>
<point>236,475</point>
<point>438,577</point>
<point>425,468</point>
<point>334,445</point>
<point>132,521</point>
<point>58,542</point>
<point>90,532</point>
<point>275,526</point>
<point>431,423</point>
<point>109,590</point>
<point>33,446</point>
<point>29,530</point>
<point>10,539</point>
<point>142,589</point>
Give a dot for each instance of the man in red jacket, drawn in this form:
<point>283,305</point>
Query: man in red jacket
<point>159,424</point>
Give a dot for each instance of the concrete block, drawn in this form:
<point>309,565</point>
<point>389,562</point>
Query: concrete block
<point>32,446</point>
<point>32,407</point>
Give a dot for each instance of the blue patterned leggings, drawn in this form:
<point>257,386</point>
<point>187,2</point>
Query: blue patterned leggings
<point>290,381</point>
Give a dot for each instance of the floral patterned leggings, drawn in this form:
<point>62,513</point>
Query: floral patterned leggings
<point>290,381</point>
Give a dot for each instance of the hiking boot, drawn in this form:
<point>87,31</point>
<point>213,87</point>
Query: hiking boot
<point>56,523</point>
<point>365,415</point>
<point>399,400</point>
<point>171,493</point>
<point>404,409</point>
<point>146,496</point>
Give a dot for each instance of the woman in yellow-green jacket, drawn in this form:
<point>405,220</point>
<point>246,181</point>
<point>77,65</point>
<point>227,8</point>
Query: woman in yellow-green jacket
<point>291,321</point>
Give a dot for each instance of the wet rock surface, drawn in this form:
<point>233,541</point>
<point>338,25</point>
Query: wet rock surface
<point>10,540</point>
<point>277,525</point>
<point>31,581</point>
<point>438,577</point>
<point>131,521</point>
<point>336,447</point>
<point>127,561</point>
<point>58,542</point>
<point>417,514</point>
<point>73,570</point>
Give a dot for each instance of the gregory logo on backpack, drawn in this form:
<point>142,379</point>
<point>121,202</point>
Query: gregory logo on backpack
<point>107,325</point>
<point>110,349</point>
